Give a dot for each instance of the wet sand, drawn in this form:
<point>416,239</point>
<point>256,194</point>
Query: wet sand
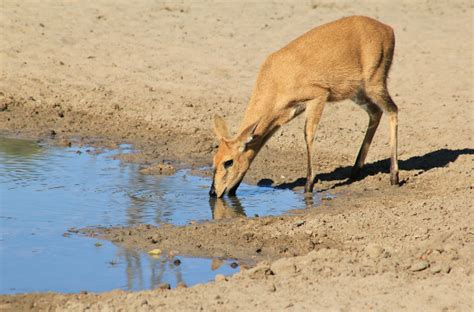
<point>153,74</point>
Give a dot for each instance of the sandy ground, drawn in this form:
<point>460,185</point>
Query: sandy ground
<point>153,73</point>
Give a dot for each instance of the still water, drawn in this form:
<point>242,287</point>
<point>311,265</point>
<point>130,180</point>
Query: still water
<point>45,190</point>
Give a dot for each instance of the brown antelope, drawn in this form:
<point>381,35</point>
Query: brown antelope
<point>346,59</point>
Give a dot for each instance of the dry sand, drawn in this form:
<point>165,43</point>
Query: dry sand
<point>153,73</point>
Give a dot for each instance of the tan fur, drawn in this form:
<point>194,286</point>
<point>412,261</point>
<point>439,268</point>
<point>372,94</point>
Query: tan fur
<point>226,210</point>
<point>345,59</point>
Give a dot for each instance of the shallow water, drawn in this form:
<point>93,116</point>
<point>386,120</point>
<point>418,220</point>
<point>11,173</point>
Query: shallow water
<point>45,190</point>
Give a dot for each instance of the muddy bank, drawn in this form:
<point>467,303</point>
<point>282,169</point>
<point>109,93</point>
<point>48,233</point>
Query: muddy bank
<point>394,256</point>
<point>260,239</point>
<point>399,251</point>
<point>96,70</point>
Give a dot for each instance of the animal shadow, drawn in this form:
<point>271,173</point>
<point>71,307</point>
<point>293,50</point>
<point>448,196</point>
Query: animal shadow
<point>431,160</point>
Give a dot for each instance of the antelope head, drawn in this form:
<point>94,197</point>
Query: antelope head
<point>232,159</point>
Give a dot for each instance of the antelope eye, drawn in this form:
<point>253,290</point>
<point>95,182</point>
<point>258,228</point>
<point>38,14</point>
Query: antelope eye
<point>228,163</point>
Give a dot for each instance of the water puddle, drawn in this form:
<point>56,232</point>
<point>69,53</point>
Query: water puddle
<point>44,190</point>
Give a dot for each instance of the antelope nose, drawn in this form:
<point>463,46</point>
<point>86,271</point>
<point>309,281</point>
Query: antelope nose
<point>212,191</point>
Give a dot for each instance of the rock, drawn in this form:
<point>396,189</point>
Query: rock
<point>220,278</point>
<point>181,285</point>
<point>164,286</point>
<point>3,107</point>
<point>260,271</point>
<point>419,266</point>
<point>216,263</point>
<point>299,223</point>
<point>155,252</point>
<point>64,142</point>
<point>284,266</point>
<point>234,265</point>
<point>436,269</point>
<point>160,169</point>
<point>374,250</point>
<point>177,262</point>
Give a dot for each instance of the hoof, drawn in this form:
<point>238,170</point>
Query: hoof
<point>394,180</point>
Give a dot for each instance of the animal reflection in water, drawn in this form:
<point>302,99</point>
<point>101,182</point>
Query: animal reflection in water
<point>232,208</point>
<point>226,209</point>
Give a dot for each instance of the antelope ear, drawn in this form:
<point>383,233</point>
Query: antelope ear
<point>247,136</point>
<point>220,128</point>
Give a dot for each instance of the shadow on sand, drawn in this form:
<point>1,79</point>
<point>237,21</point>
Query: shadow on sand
<point>431,160</point>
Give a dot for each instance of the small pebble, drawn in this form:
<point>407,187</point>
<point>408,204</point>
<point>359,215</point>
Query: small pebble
<point>216,263</point>
<point>164,286</point>
<point>220,278</point>
<point>97,244</point>
<point>299,223</point>
<point>419,266</point>
<point>234,265</point>
<point>436,269</point>
<point>3,107</point>
<point>64,142</point>
<point>177,262</point>
<point>155,252</point>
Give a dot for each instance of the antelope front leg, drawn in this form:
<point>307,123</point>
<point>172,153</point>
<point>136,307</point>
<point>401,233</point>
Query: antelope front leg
<point>314,110</point>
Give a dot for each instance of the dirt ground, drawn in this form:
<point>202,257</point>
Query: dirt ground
<point>153,73</point>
